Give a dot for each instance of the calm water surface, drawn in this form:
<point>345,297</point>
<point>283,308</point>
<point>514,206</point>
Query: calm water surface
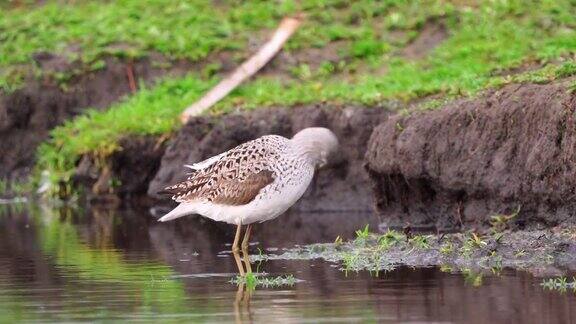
<point>99,265</point>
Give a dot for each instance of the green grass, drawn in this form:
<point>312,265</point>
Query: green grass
<point>485,41</point>
<point>86,31</point>
<point>500,222</point>
<point>471,244</point>
<point>420,242</point>
<point>390,238</point>
<point>362,234</point>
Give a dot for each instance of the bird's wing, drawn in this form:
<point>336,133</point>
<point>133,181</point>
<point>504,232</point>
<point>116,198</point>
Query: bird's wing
<point>235,178</point>
<point>240,192</point>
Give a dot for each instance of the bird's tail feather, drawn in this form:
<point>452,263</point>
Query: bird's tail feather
<point>181,210</point>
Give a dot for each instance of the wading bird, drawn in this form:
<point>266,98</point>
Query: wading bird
<point>253,182</point>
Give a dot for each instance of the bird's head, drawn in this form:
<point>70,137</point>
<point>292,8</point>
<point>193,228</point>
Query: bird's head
<point>317,144</point>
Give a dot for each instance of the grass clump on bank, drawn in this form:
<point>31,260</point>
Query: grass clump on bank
<point>483,43</point>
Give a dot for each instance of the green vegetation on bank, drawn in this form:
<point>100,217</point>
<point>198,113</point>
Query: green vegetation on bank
<point>88,30</point>
<point>485,43</point>
<point>470,253</point>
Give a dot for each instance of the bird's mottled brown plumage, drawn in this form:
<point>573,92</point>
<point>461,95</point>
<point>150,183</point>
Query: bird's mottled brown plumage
<point>234,179</point>
<point>255,181</point>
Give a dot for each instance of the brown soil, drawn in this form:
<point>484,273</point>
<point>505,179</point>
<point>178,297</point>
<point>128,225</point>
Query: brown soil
<point>432,34</point>
<point>28,114</point>
<point>283,64</point>
<point>127,172</point>
<point>514,147</point>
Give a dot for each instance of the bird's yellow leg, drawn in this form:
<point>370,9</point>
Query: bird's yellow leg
<point>238,262</point>
<point>245,248</point>
<point>235,247</point>
<point>235,250</point>
<point>246,240</point>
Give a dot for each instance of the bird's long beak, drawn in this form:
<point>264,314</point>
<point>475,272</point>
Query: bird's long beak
<point>322,164</point>
<point>314,183</point>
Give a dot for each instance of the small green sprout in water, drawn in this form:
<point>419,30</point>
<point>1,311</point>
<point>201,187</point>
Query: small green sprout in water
<point>471,244</point>
<point>338,241</point>
<point>519,253</point>
<point>350,262</point>
<point>447,248</point>
<point>496,261</point>
<point>374,265</point>
<point>446,268</point>
<point>251,280</point>
<point>500,222</point>
<point>363,233</point>
<point>261,257</point>
<point>473,278</point>
<point>560,284</point>
<point>420,242</point>
<point>497,236</point>
<point>389,239</point>
<point>477,240</point>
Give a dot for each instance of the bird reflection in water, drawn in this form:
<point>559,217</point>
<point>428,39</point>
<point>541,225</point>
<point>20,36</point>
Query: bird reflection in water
<point>242,303</point>
<point>244,293</point>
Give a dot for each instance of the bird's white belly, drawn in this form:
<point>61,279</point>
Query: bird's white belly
<point>269,204</point>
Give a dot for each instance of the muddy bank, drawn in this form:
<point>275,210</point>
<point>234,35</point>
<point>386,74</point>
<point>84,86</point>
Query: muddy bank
<point>543,253</point>
<point>28,114</point>
<point>125,174</point>
<point>458,166</point>
<point>342,186</point>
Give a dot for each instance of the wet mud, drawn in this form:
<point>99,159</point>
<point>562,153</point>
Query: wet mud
<point>456,167</point>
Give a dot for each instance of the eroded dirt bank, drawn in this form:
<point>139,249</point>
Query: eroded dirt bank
<point>458,166</point>
<point>28,114</point>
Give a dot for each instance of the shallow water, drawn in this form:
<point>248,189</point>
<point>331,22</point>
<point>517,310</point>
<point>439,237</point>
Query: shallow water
<point>60,265</point>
